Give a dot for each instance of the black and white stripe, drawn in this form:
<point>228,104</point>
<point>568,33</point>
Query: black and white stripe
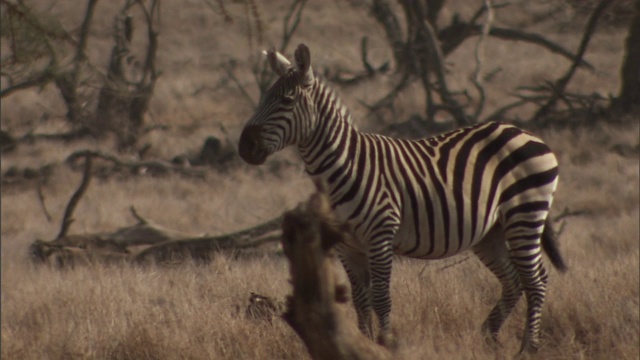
<point>487,188</point>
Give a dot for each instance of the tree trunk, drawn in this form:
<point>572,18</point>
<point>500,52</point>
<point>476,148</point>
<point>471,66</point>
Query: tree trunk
<point>309,233</point>
<point>629,98</point>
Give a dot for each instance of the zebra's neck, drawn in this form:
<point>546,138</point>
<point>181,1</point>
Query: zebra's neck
<point>325,150</point>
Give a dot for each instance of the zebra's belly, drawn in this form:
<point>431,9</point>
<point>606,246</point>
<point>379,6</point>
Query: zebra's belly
<point>420,242</point>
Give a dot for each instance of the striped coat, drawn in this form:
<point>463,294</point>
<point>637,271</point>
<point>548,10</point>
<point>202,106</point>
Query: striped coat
<point>488,188</point>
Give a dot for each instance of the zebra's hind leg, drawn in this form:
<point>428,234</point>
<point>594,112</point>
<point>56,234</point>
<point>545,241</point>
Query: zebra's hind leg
<point>356,265</point>
<point>526,255</point>
<point>494,254</point>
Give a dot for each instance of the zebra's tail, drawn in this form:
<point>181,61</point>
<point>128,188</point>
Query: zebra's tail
<point>550,246</point>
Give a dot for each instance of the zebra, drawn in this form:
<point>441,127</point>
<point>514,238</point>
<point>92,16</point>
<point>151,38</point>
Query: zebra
<point>487,188</point>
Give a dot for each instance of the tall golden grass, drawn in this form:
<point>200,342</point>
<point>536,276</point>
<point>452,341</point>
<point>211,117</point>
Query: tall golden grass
<point>197,311</point>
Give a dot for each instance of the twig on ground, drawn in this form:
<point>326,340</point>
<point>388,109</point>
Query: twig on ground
<point>141,220</point>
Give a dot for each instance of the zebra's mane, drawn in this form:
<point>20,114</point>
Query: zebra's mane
<point>343,110</point>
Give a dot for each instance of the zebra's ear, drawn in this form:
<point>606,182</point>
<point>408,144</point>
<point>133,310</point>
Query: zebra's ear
<point>279,64</point>
<point>303,64</point>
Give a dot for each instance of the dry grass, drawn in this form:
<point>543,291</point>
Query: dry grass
<point>191,312</point>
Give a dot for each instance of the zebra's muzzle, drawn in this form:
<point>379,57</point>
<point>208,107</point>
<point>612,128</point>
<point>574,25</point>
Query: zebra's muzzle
<point>250,146</point>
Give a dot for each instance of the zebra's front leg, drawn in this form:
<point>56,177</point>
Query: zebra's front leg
<point>356,265</point>
<point>380,257</point>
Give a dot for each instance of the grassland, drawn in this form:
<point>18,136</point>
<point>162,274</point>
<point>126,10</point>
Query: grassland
<point>197,311</point>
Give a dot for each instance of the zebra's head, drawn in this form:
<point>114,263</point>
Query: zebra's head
<point>285,115</point>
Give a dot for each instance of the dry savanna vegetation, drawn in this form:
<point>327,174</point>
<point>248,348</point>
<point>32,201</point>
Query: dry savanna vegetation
<point>205,81</point>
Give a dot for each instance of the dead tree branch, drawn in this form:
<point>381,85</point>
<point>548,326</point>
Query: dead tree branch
<point>381,11</point>
<point>387,100</point>
<point>451,42</point>
<point>159,244</point>
<point>262,74</point>
<point>39,80</point>
<point>221,9</point>
<point>627,99</point>
<point>41,200</point>
<point>420,52</point>
<point>153,166</point>
<point>479,54</point>
<point>134,213</point>
<point>561,84</point>
<point>67,219</point>
<point>67,82</point>
<point>437,61</point>
<point>290,26</point>
<point>203,248</point>
<point>124,98</point>
<point>354,78</point>
<point>228,68</point>
<point>27,48</point>
<point>84,35</point>
<point>146,242</point>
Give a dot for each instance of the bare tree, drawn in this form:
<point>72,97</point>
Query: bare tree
<point>123,100</point>
<point>420,48</point>
<point>557,89</point>
<point>34,38</point>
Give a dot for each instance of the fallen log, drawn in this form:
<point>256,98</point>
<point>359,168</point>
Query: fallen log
<point>153,167</point>
<point>313,311</point>
<point>203,248</point>
<point>145,242</point>
<point>142,242</point>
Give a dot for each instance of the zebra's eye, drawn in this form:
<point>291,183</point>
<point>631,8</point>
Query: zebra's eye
<point>288,100</point>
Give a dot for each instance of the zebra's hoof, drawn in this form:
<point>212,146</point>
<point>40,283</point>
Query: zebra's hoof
<point>527,350</point>
<point>388,340</point>
<point>490,337</point>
